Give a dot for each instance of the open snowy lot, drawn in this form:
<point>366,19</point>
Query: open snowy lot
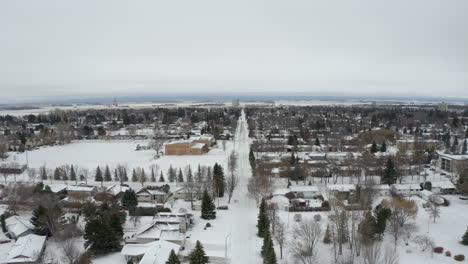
<point>90,154</point>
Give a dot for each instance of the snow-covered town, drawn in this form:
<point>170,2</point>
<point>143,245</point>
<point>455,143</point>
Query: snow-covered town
<point>233,132</point>
<point>241,183</point>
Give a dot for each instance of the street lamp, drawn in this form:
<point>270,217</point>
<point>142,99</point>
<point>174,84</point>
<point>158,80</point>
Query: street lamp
<point>225,245</point>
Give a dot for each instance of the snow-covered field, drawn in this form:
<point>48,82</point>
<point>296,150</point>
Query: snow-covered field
<point>90,154</point>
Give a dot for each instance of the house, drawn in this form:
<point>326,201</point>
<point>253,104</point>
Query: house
<point>146,194</point>
<point>382,189</point>
<point>431,197</point>
<point>305,191</point>
<point>443,187</point>
<point>156,252</point>
<point>81,190</point>
<point>158,231</point>
<point>186,147</point>
<point>406,189</point>
<point>27,249</point>
<point>17,226</point>
<point>118,190</point>
<point>341,191</point>
<point>185,193</point>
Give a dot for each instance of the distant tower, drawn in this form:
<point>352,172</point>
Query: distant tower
<point>235,103</point>
<point>114,102</point>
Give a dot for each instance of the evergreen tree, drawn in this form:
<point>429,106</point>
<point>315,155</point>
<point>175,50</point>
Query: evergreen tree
<point>171,174</point>
<point>373,148</point>
<point>327,237</point>
<point>381,216</point>
<point>100,236</point>
<point>161,177</point>
<point>367,228</point>
<point>143,177</point>
<point>173,259</point>
<point>180,177</point>
<point>189,174</point>
<point>218,180</point>
<point>464,149</point>
<point>116,175</point>
<point>268,251</point>
<point>252,159</point>
<point>208,211</point>
<point>107,174</point>
<point>263,223</point>
<point>390,173</point>
<point>129,199</point>
<point>47,220</point>
<point>3,223</point>
<point>317,142</point>
<point>98,175</point>
<point>43,173</point>
<point>125,177</point>
<point>72,173</point>
<point>116,225</point>
<point>383,148</point>
<point>465,238</point>
<point>198,255</point>
<point>153,176</point>
<point>57,174</point>
<point>134,176</point>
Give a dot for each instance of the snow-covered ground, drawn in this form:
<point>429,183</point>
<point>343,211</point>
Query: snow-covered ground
<point>93,153</point>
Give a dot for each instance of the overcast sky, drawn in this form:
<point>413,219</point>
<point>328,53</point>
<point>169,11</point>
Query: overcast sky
<point>92,48</point>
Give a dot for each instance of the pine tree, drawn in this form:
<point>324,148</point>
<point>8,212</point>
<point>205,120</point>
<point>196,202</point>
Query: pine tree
<point>465,238</point>
<point>171,174</point>
<point>218,180</point>
<point>107,174</point>
<point>268,251</point>
<point>125,177</point>
<point>142,177</point>
<point>390,173</point>
<point>100,236</point>
<point>47,220</point>
<point>161,177</point>
<point>98,176</point>
<point>72,174</point>
<point>198,255</point>
<point>383,148</point>
<point>129,199</point>
<point>116,175</point>
<point>367,228</point>
<point>252,159</point>
<point>57,174</point>
<point>327,237</point>
<point>208,211</point>
<point>134,176</point>
<point>189,174</point>
<point>180,177</point>
<point>373,148</point>
<point>173,259</point>
<point>263,223</point>
<point>464,149</point>
<point>153,176</point>
<point>43,173</point>
<point>317,142</point>
<point>381,216</point>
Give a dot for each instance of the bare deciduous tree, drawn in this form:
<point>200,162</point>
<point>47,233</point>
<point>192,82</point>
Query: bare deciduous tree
<point>305,238</point>
<point>434,211</point>
<point>71,252</point>
<point>232,180</point>
<point>280,235</point>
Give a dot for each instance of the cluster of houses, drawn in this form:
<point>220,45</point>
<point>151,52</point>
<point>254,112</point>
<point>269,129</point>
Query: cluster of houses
<point>312,197</point>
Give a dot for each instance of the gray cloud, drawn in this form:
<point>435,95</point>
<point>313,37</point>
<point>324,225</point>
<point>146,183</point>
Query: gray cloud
<point>75,48</point>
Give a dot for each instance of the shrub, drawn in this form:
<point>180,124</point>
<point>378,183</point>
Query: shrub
<point>326,204</point>
<point>459,257</point>
<point>438,250</point>
<point>448,253</point>
<point>317,217</point>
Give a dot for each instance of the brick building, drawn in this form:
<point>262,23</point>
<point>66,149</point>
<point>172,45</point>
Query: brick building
<point>186,147</point>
